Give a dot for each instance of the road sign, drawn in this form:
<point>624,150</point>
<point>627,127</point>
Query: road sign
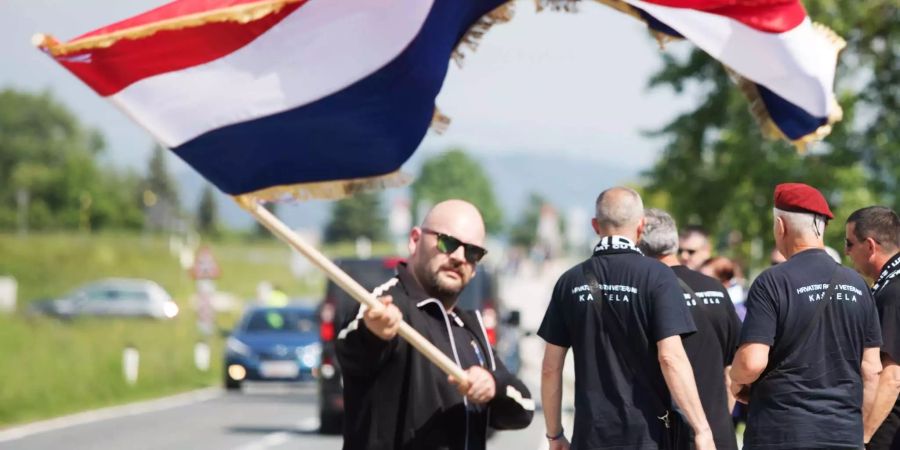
<point>205,265</point>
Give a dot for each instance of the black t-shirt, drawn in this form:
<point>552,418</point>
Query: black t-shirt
<point>711,349</point>
<point>613,410</point>
<point>815,399</point>
<point>887,298</point>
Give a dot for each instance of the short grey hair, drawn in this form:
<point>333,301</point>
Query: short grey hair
<point>660,236</point>
<point>619,207</point>
<point>801,223</point>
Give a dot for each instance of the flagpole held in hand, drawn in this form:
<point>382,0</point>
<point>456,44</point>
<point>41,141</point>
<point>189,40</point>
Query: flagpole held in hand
<point>348,284</point>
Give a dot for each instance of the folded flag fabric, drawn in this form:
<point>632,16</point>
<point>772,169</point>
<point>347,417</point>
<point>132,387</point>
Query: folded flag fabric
<point>319,98</point>
<point>782,61</point>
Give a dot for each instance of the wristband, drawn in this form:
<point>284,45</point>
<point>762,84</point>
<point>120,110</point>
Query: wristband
<point>562,433</point>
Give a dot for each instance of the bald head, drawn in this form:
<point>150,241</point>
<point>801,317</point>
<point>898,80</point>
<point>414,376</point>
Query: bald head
<point>619,211</point>
<point>458,218</point>
<point>444,270</point>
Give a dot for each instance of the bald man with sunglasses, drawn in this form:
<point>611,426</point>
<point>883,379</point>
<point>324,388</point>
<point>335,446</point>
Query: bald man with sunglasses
<point>394,398</point>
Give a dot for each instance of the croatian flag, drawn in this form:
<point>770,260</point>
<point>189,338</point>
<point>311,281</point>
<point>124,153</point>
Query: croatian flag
<point>782,61</point>
<point>319,98</point>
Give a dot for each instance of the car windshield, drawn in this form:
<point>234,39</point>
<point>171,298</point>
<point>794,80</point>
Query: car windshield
<point>281,320</point>
<point>110,292</point>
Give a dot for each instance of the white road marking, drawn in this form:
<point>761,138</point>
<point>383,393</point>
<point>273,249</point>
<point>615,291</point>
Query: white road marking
<point>269,440</point>
<point>309,424</point>
<point>98,415</point>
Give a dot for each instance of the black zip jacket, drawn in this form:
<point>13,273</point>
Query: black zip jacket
<point>394,398</point>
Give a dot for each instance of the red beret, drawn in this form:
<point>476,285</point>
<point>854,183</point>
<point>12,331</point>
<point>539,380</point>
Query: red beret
<point>799,197</point>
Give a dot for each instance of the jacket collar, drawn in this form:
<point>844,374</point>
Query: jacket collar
<point>413,289</point>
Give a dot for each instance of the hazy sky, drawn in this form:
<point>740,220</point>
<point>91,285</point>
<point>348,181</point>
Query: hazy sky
<point>569,84</point>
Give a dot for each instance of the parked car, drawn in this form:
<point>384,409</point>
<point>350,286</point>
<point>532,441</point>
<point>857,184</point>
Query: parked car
<point>111,297</point>
<point>337,307</point>
<point>272,344</point>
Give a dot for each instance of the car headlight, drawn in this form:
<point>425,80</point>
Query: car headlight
<point>236,346</point>
<point>170,309</point>
<point>309,355</point>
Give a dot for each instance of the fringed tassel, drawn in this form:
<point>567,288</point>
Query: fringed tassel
<point>761,113</point>
<point>622,7</point>
<point>242,13</point>
<point>837,42</point>
<point>470,40</point>
<point>329,190</point>
<point>767,125</point>
<point>570,6</point>
<point>661,38</point>
<point>439,122</point>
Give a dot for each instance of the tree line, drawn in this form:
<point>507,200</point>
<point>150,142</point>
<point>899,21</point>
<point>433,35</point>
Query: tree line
<point>714,169</point>
<point>718,171</point>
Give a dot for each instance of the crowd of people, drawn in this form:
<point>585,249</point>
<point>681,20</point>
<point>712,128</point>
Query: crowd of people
<point>661,353</point>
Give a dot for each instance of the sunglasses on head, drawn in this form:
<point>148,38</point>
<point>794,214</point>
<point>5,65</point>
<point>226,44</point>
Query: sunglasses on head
<point>448,244</point>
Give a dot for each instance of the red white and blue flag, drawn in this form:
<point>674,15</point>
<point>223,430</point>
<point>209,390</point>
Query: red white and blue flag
<point>320,97</point>
<point>782,61</point>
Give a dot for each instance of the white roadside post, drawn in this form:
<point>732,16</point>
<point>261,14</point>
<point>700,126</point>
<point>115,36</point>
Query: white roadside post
<point>8,288</point>
<point>201,356</point>
<point>130,364</point>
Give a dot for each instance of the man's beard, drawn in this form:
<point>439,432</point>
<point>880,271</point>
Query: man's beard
<point>442,291</point>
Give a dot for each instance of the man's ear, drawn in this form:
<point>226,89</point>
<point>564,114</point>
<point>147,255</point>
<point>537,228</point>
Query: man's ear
<point>640,229</point>
<point>595,225</point>
<point>779,227</point>
<point>415,236</point>
<point>871,246</point>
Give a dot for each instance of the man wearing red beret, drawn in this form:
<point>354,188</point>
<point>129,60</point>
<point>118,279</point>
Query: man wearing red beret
<point>810,341</point>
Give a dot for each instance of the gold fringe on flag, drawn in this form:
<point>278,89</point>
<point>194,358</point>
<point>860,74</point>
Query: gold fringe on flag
<point>767,125</point>
<point>439,122</point>
<point>243,13</point>
<point>761,113</point>
<point>571,6</point>
<point>329,190</point>
<point>470,40</point>
<point>557,5</point>
<point>747,87</point>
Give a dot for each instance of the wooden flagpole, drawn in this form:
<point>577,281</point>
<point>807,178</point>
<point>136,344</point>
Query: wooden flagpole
<point>359,293</point>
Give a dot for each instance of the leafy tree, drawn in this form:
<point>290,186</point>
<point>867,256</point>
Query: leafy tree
<point>208,212</point>
<point>359,215</point>
<point>717,170</point>
<point>159,181</point>
<point>49,160</point>
<point>524,232</point>
<point>454,174</point>
<point>160,193</point>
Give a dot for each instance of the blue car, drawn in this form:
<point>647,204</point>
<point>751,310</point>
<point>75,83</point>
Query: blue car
<point>273,344</point>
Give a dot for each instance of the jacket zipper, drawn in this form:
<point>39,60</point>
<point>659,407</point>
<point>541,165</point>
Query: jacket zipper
<point>455,354</point>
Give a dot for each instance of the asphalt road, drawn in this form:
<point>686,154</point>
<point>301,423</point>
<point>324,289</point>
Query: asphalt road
<point>263,416</point>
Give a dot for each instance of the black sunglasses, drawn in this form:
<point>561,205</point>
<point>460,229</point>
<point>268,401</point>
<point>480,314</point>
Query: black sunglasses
<point>448,244</point>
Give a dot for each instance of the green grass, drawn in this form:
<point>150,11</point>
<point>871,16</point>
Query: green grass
<point>49,265</point>
<point>50,367</point>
